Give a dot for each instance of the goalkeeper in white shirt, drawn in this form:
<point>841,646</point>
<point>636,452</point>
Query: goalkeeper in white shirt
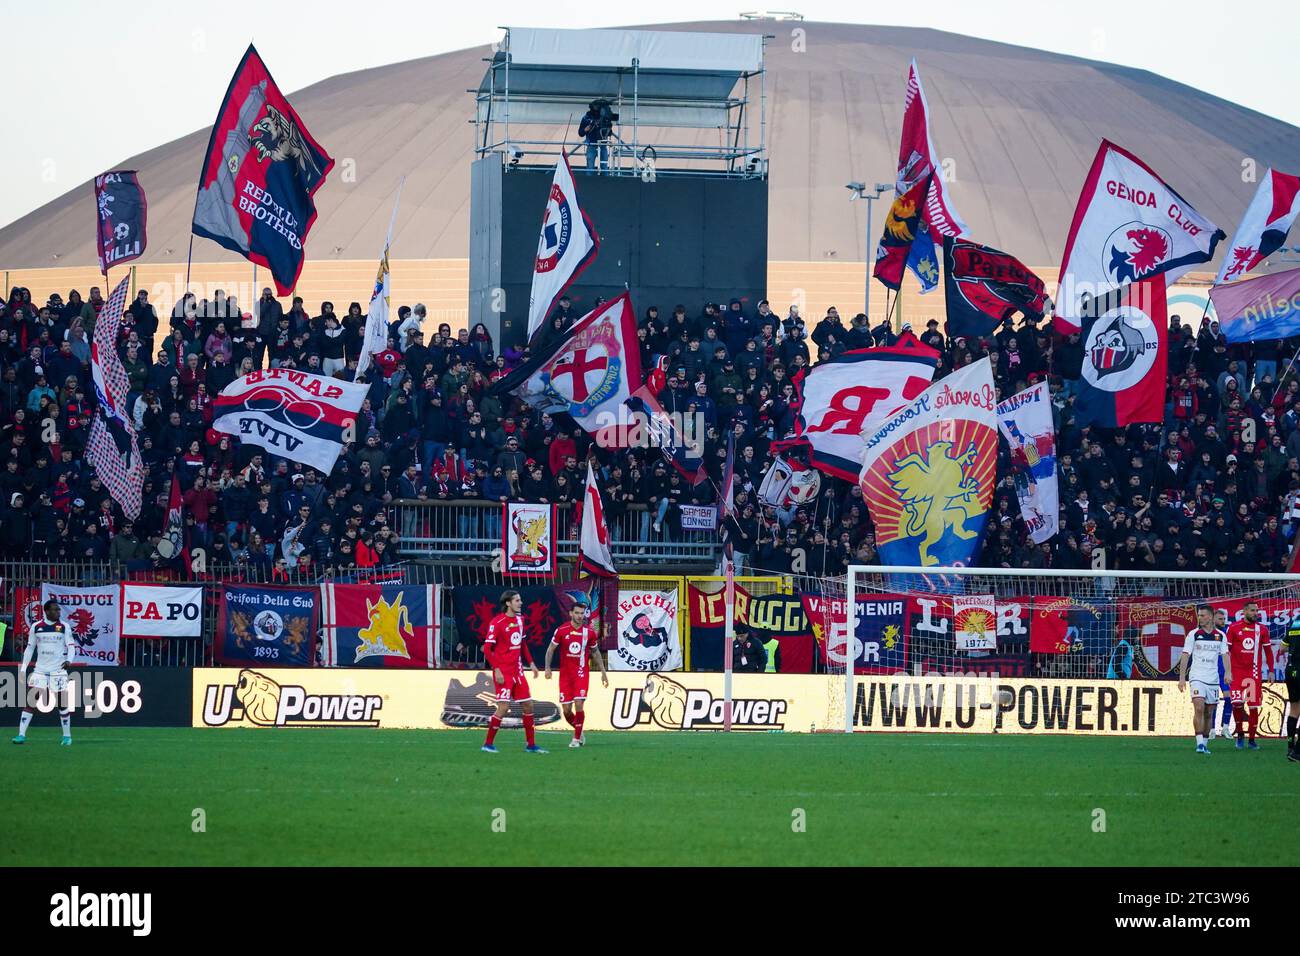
<point>51,643</point>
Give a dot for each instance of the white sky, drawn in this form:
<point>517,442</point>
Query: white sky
<point>89,84</point>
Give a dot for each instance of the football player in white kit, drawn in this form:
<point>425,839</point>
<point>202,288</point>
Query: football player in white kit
<point>1205,646</point>
<point>51,643</point>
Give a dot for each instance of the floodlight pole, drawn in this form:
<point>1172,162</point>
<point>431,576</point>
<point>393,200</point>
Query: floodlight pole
<point>859,191</point>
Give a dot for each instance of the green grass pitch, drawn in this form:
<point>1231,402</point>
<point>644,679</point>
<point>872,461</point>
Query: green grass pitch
<point>127,796</point>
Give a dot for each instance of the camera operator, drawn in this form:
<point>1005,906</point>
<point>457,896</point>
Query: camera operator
<point>595,129</point>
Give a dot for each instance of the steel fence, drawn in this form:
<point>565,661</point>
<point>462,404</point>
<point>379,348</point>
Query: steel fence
<point>452,530</point>
<point>18,579</point>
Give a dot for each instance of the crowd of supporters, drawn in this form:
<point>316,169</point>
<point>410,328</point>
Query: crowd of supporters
<point>1214,487</point>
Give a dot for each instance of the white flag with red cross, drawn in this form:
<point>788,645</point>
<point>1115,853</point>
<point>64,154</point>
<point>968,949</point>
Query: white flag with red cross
<point>591,373</point>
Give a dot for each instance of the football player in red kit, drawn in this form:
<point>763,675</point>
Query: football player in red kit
<point>1250,648</point>
<point>505,647</point>
<point>577,641</point>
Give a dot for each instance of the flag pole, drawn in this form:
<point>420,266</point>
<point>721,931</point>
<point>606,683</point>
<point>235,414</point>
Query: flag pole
<point>726,506</point>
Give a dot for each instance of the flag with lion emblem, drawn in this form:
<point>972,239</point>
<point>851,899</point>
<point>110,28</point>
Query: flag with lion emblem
<point>267,626</point>
<point>260,173</point>
<point>928,472</point>
<point>379,625</point>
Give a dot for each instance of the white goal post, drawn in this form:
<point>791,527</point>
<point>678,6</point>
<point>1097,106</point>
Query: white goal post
<point>1043,625</point>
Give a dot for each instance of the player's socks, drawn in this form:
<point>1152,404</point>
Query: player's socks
<point>1290,731</point>
<point>1253,723</point>
<point>24,722</point>
<point>578,720</point>
<point>494,724</point>
<point>529,731</point>
<point>1200,741</point>
<point>1239,715</point>
<point>568,717</point>
<point>65,721</point>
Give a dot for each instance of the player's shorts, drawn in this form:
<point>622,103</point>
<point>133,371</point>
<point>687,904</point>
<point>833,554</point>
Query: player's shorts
<point>514,688</point>
<point>1246,692</point>
<point>1207,692</point>
<point>1293,686</point>
<point>39,680</point>
<point>573,686</point>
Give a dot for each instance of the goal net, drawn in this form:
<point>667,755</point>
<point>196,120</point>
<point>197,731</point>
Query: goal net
<point>987,625</point>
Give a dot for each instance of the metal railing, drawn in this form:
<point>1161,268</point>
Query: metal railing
<point>458,530</point>
<point>20,582</point>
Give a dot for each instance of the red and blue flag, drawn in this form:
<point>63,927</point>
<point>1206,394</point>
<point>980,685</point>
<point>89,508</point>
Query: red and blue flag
<point>260,172</point>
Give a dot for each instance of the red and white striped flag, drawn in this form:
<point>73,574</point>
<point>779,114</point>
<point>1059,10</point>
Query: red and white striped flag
<point>112,446</point>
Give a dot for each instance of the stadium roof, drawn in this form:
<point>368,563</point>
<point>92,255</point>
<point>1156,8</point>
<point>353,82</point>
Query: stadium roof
<point>1019,125</point>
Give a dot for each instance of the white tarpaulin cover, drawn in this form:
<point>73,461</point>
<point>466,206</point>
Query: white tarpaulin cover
<point>654,49</point>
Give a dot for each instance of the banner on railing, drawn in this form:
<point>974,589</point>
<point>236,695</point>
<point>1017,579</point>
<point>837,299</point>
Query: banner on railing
<point>153,611</point>
<point>780,618</point>
<point>648,634</point>
<point>546,607</point>
<point>699,517</point>
<point>379,625</point>
<point>267,626</point>
<point>708,621</point>
<point>94,614</point>
<point>528,539</point>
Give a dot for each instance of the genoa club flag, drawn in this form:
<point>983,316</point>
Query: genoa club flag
<point>1125,355</point>
<point>261,169</point>
<point>380,625</point>
<point>123,216</point>
<point>1129,225</point>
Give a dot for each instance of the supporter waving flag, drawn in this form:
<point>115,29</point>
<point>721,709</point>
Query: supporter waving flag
<point>112,446</point>
<point>260,172</point>
<point>1264,227</point>
<point>590,373</point>
<point>1129,225</point>
<point>1125,357</point>
<point>304,417</point>
<point>123,215</point>
<point>567,244</point>
<point>922,210</point>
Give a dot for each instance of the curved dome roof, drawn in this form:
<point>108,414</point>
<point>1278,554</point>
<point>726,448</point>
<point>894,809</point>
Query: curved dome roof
<point>1019,125</point>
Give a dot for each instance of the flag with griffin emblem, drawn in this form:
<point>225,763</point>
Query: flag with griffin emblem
<point>1264,227</point>
<point>260,173</point>
<point>112,446</point>
<point>928,472</point>
<point>1129,225</point>
<point>379,625</point>
<point>267,626</point>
